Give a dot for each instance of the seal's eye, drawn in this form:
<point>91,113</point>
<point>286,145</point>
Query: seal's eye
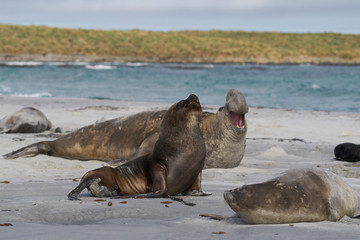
<point>221,108</point>
<point>180,104</point>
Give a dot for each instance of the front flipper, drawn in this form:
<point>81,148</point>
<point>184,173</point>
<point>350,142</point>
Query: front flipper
<point>195,189</point>
<point>197,193</point>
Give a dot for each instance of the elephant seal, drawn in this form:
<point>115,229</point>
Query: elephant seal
<point>126,139</point>
<point>349,152</point>
<point>26,120</point>
<point>299,195</point>
<point>173,167</point>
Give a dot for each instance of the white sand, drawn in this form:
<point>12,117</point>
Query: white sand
<point>35,201</point>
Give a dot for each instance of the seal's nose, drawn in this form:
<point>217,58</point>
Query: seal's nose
<point>228,196</point>
<point>192,99</point>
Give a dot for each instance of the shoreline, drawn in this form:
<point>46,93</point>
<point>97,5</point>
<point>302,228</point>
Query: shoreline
<point>206,107</point>
<point>152,59</point>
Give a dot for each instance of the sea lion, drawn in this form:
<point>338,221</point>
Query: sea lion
<point>135,136</point>
<point>299,195</point>
<point>173,167</point>
<point>349,152</point>
<point>26,120</point>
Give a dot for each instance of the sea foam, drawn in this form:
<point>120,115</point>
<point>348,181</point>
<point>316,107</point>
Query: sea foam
<point>100,67</point>
<point>136,64</point>
<point>315,86</point>
<point>40,94</point>
<point>23,64</point>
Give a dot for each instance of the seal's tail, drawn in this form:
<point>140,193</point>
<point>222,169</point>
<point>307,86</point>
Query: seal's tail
<point>29,151</point>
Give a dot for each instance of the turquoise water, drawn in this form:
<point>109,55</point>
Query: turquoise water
<point>305,87</point>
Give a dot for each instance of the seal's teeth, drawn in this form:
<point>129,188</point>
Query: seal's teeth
<point>241,126</point>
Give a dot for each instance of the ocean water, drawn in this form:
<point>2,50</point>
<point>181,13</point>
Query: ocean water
<point>302,87</point>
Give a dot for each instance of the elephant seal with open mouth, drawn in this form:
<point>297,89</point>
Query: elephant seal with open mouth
<point>126,139</point>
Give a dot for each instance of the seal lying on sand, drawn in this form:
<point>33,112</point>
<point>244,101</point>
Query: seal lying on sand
<point>173,167</point>
<point>26,120</point>
<point>299,195</point>
<point>349,152</point>
<point>118,139</point>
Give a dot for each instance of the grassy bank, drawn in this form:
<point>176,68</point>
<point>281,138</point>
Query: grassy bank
<point>60,44</point>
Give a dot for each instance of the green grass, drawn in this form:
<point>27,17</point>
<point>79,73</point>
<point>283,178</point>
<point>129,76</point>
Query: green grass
<point>181,46</point>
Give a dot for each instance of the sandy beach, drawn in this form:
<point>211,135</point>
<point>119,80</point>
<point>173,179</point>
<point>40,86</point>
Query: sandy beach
<point>33,191</point>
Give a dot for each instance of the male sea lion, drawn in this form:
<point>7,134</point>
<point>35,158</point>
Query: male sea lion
<point>299,195</point>
<point>118,139</point>
<point>349,152</point>
<point>173,167</point>
<point>26,120</point>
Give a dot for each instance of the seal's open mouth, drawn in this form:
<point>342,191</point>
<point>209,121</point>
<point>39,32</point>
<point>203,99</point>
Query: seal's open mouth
<point>237,119</point>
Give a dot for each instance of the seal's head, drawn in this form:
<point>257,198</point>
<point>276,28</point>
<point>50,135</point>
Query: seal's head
<point>235,110</point>
<point>189,109</point>
<point>238,198</point>
<point>192,102</point>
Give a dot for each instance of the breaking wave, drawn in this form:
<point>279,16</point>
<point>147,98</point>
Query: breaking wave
<point>100,67</point>
<point>41,94</point>
<point>22,64</point>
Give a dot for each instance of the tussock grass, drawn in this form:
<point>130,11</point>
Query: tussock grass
<point>180,46</point>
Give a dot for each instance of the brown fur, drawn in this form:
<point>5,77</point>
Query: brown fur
<point>173,167</point>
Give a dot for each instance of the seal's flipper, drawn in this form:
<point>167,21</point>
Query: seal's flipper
<point>83,184</point>
<point>197,193</point>
<point>158,176</point>
<point>29,151</point>
<point>195,188</point>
